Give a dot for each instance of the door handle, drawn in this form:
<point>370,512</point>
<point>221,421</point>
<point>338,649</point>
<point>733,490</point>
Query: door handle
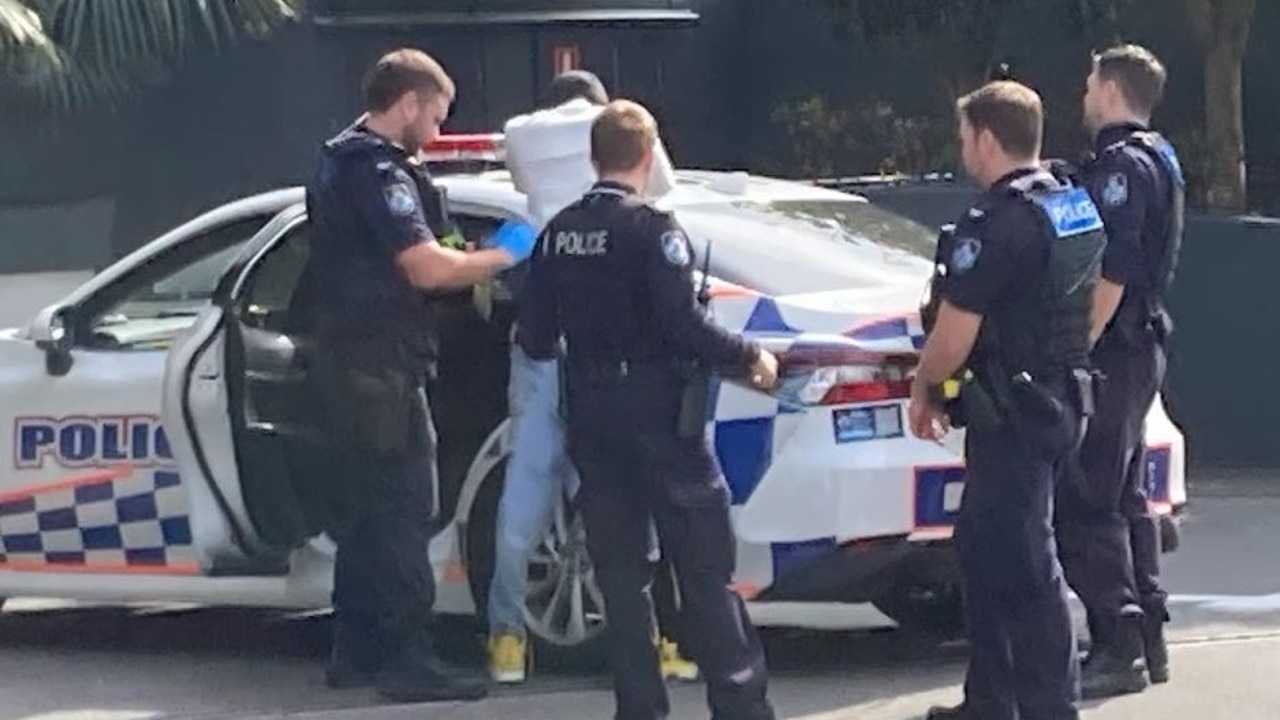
<point>208,370</point>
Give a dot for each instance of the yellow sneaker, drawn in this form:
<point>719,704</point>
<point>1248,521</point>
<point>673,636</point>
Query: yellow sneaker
<point>673,666</point>
<point>508,658</point>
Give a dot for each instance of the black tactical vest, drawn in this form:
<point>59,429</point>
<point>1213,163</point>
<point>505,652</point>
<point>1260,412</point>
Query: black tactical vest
<point>1056,338</point>
<point>1073,228</point>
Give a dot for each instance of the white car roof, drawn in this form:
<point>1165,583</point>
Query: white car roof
<point>491,189</point>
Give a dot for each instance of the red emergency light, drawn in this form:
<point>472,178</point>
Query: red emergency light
<point>466,148</point>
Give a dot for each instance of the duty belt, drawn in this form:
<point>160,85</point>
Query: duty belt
<point>613,370</point>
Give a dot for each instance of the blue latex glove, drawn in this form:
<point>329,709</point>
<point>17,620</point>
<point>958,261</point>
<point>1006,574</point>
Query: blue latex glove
<point>516,238</point>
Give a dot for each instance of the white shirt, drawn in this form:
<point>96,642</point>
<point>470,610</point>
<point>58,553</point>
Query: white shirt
<point>549,157</point>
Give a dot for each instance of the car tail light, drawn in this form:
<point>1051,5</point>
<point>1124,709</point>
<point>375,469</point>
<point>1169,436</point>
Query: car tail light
<point>840,371</point>
<point>466,148</point>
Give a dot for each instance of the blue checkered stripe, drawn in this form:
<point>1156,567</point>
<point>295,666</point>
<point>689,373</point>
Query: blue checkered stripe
<point>141,520</point>
<point>745,425</point>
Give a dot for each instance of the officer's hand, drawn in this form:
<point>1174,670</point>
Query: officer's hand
<point>928,421</point>
<point>515,239</point>
<point>764,371</point>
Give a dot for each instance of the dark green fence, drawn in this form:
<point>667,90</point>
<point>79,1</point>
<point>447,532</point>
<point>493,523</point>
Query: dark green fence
<point>1225,301</point>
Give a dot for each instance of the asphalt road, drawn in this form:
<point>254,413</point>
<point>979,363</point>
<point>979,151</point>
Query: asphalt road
<point>59,663</point>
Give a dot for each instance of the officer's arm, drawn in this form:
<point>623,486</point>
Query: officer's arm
<point>538,323</point>
<point>978,272</point>
<point>392,209</point>
<point>949,344</point>
<point>669,265</point>
<point>1117,190</point>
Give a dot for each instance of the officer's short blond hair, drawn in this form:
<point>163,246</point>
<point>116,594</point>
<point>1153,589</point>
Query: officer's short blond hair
<point>621,136</point>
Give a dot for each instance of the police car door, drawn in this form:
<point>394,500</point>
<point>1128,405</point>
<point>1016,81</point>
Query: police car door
<point>235,407</point>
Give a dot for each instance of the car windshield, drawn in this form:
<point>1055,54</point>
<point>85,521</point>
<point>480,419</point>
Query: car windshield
<point>783,247</point>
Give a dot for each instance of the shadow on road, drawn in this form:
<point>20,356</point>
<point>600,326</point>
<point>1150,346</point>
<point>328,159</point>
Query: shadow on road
<point>241,662</point>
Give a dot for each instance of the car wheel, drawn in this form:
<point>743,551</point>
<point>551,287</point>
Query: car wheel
<point>936,611</point>
<point>564,608</point>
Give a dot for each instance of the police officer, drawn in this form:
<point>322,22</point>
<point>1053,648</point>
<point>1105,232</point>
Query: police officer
<point>614,277</point>
<point>373,254</point>
<point>1105,531</point>
<point>1010,302</point>
<point>549,157</point>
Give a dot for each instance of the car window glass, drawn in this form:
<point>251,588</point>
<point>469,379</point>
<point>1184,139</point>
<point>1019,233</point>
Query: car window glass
<point>147,308</point>
<point>785,247</point>
<point>270,288</point>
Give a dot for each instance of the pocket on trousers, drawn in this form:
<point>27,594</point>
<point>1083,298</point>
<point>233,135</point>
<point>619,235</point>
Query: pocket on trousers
<point>711,547</point>
<point>381,407</point>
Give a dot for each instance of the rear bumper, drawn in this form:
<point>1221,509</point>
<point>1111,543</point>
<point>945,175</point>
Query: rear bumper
<point>862,571</point>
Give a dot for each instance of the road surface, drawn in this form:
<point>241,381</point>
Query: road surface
<point>124,664</point>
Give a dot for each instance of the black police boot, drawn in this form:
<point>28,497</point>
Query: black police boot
<point>342,673</point>
<point>419,674</point>
<point>1155,648</point>
<point>353,661</point>
<point>1117,668</point>
<point>959,712</point>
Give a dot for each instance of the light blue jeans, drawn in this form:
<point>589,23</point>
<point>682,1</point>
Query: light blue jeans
<point>538,471</point>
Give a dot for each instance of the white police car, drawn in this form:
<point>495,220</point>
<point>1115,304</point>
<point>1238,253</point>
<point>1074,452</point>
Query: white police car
<point>157,453</point>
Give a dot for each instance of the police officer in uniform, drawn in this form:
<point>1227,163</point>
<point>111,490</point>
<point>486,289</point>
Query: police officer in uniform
<point>373,257</point>
<point>1109,540</point>
<point>612,276</point>
<point>1010,303</point>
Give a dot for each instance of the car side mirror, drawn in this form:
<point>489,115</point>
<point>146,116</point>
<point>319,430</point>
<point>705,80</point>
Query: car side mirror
<point>51,333</point>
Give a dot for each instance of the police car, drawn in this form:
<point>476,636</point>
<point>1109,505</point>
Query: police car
<point>160,449</point>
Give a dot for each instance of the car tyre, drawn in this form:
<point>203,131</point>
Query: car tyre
<point>933,611</point>
<point>551,650</point>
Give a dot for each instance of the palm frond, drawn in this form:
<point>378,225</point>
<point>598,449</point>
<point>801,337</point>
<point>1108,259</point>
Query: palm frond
<point>27,54</point>
<point>74,52</point>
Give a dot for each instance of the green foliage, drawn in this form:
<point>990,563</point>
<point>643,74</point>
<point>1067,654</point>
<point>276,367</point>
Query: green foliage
<point>868,135</point>
<point>66,55</point>
<point>817,131</point>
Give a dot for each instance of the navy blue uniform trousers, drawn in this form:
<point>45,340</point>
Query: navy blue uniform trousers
<point>1022,662</point>
<point>622,439</point>
<point>383,446</point>
<point>1109,539</point>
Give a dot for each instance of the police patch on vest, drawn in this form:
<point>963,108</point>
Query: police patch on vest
<point>965,254</point>
<point>1071,212</point>
<point>1116,190</point>
<point>400,199</point>
<point>675,247</point>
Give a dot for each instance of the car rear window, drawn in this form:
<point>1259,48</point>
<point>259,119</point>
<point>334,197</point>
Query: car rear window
<point>783,247</point>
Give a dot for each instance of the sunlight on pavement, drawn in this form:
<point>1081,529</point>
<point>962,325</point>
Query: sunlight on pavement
<point>95,715</point>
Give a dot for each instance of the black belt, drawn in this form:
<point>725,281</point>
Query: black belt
<point>613,370</point>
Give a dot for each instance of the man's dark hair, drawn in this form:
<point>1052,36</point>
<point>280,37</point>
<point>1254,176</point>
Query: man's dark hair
<point>572,85</point>
<point>401,71</point>
<point>1137,71</point>
<point>1011,111</point>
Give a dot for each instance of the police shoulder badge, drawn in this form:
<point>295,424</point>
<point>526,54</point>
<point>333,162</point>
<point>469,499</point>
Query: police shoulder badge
<point>400,199</point>
<point>675,247</point>
<point>1116,190</point>
<point>965,254</point>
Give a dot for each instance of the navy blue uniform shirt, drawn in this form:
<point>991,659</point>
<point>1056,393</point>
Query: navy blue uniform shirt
<point>614,276</point>
<point>365,210</point>
<point>996,264</point>
<point>1133,193</point>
